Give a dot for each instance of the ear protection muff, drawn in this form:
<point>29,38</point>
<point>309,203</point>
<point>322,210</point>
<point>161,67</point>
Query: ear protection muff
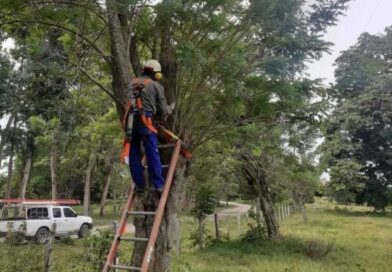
<point>158,75</point>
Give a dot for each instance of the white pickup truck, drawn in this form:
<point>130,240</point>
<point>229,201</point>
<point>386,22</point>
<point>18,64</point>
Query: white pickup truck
<point>36,221</point>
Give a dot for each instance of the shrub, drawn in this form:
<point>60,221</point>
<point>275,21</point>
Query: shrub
<point>97,248</point>
<point>257,231</point>
<point>317,249</point>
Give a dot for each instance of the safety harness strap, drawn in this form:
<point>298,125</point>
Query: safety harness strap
<point>139,85</point>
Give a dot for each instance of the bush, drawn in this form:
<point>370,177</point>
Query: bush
<point>317,249</point>
<point>18,253</point>
<point>97,248</point>
<point>257,231</point>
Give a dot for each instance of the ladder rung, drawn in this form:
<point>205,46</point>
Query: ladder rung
<point>165,166</point>
<point>123,267</point>
<point>166,146</point>
<point>133,239</point>
<point>140,213</point>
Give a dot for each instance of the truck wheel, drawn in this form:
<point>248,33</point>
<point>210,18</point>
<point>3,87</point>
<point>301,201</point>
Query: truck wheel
<point>42,236</point>
<point>84,231</point>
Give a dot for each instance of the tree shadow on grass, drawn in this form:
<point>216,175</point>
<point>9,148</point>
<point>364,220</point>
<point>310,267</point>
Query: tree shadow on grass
<point>288,246</point>
<point>347,212</point>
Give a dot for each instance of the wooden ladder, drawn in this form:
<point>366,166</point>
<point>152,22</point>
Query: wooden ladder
<point>128,211</point>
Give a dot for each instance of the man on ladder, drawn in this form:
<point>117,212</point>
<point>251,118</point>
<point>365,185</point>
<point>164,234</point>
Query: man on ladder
<point>147,102</point>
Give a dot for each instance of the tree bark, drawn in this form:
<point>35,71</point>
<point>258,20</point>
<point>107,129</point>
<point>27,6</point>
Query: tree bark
<point>269,216</point>
<point>160,261</point>
<point>216,221</point>
<point>87,185</point>
<point>4,136</point>
<point>10,172</point>
<point>300,199</point>
<point>303,213</point>
<point>106,190</point>
<point>49,249</point>
<point>120,61</point>
<point>27,165</point>
<point>53,169</point>
<point>121,68</point>
<point>258,178</point>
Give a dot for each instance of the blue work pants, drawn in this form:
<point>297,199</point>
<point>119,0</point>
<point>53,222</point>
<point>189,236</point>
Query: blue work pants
<point>140,133</point>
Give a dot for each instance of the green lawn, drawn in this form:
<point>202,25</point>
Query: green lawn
<point>363,242</point>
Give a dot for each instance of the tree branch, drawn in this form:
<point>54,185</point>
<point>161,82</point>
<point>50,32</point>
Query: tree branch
<point>92,44</point>
<point>96,82</point>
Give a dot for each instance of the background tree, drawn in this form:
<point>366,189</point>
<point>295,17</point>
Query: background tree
<point>226,64</point>
<point>357,147</point>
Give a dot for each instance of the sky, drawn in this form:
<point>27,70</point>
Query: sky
<point>370,16</point>
<point>362,16</point>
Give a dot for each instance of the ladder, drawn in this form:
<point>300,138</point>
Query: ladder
<point>110,261</point>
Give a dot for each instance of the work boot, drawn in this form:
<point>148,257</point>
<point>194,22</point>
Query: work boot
<point>139,191</point>
<point>158,193</point>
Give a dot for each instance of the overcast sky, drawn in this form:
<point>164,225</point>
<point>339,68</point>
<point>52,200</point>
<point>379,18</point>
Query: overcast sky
<point>362,16</point>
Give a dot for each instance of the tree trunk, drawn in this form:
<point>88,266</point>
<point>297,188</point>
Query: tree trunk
<point>53,169</point>
<point>87,185</point>
<point>303,213</point>
<point>27,165</point>
<point>269,216</point>
<point>106,190</point>
<point>216,222</point>
<point>49,249</point>
<point>121,71</point>
<point>160,261</point>
<point>120,61</point>
<point>300,199</point>
<point>258,178</point>
<point>10,172</point>
<point>4,137</point>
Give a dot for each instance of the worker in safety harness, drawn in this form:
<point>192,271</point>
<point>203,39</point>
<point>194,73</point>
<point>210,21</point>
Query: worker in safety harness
<point>147,103</point>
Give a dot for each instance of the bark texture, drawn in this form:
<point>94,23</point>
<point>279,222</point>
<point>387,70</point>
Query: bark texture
<point>299,196</point>
<point>106,189</point>
<point>54,157</point>
<point>10,172</point>
<point>120,63</point>
<point>4,136</point>
<point>256,172</point>
<point>123,53</point>
<point>27,165</point>
<point>87,185</point>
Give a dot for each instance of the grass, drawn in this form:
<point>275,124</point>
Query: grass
<point>363,242</point>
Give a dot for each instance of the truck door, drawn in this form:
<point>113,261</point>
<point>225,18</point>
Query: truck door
<point>71,219</point>
<point>59,219</point>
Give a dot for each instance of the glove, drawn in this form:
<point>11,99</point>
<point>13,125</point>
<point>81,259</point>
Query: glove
<point>170,109</point>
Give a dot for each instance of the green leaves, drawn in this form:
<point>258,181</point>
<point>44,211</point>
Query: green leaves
<point>358,143</point>
<point>205,202</point>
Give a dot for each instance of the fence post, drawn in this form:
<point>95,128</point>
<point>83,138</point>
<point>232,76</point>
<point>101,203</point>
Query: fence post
<point>49,248</point>
<point>285,211</point>
<point>217,236</point>
<point>115,227</point>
